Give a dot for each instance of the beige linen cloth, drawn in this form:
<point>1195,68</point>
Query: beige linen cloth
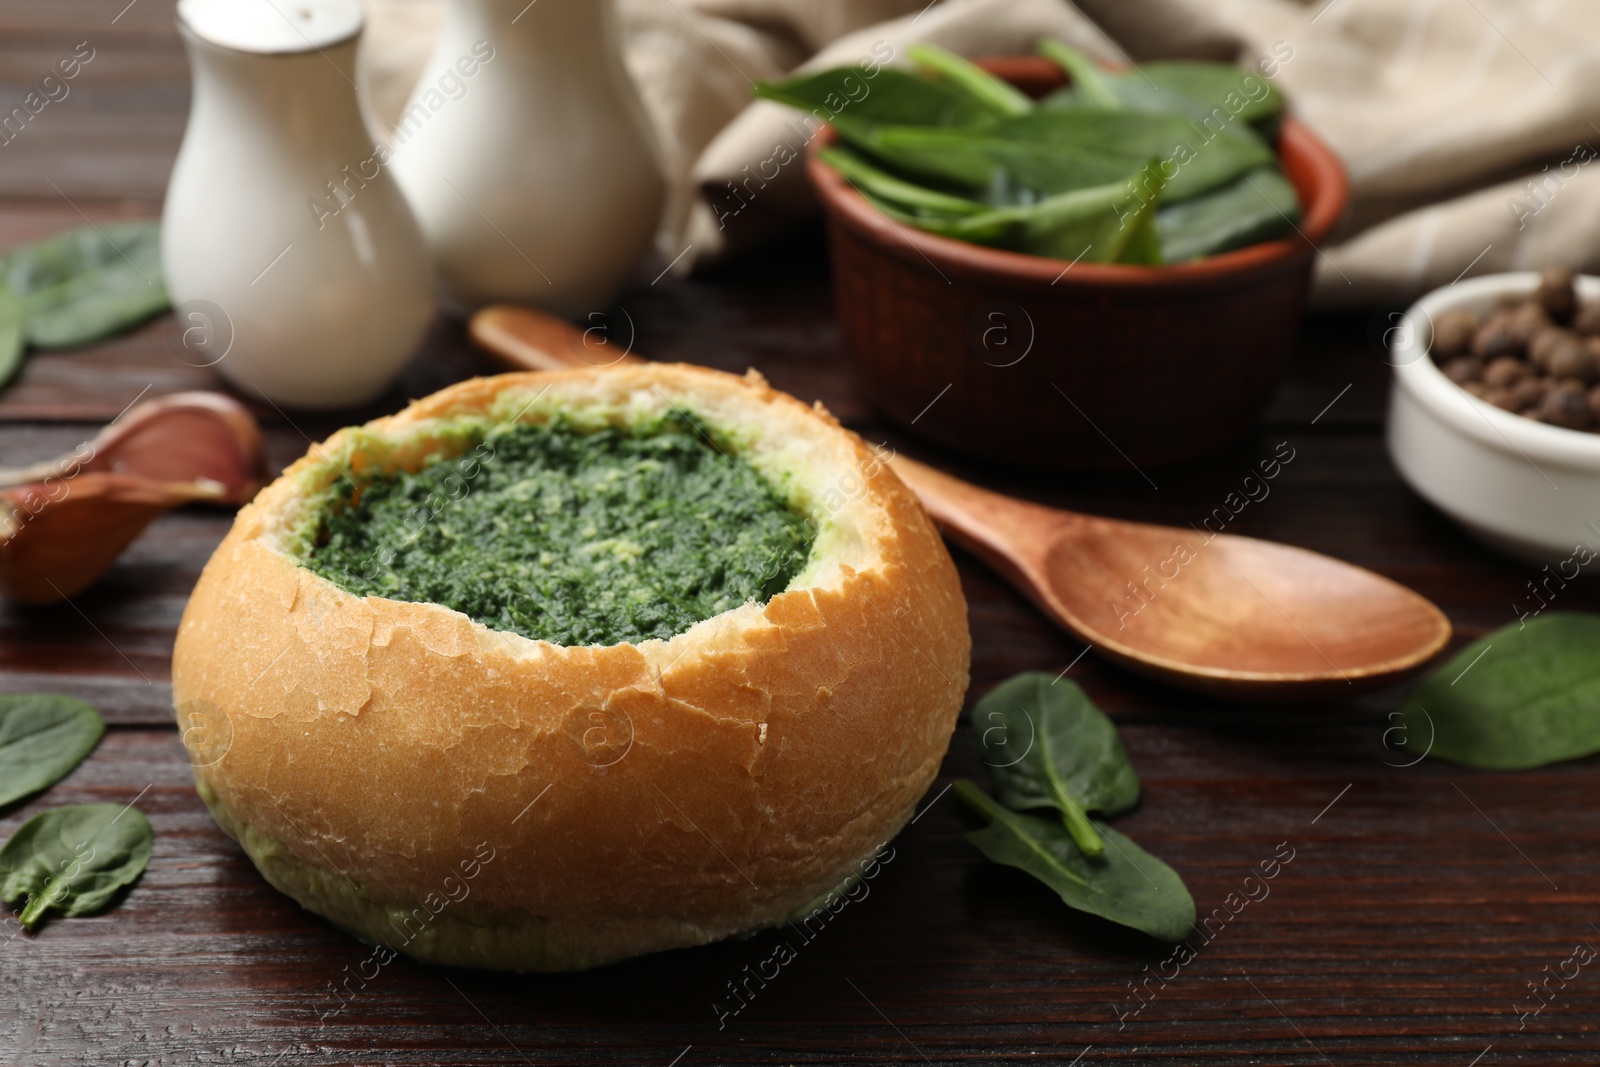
<point>1470,128</point>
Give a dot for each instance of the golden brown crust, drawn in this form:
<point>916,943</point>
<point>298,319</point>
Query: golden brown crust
<point>635,798</point>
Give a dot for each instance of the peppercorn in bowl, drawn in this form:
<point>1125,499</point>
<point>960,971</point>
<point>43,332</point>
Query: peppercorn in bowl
<point>1495,413</point>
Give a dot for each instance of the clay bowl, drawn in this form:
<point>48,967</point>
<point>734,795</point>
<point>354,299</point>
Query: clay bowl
<point>1003,355</point>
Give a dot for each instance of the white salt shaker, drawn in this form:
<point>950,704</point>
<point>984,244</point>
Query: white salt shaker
<point>527,156</point>
<point>291,255</point>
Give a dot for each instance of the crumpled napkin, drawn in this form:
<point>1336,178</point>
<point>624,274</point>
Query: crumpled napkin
<point>1468,126</point>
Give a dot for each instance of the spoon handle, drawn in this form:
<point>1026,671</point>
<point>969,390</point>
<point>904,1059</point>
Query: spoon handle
<point>525,339</point>
<point>1012,536</point>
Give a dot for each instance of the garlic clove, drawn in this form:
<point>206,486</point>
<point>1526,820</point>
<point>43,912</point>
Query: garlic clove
<point>63,522</point>
<point>184,437</point>
<point>58,536</point>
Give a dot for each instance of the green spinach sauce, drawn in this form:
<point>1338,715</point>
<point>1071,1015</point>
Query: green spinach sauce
<point>595,538</point>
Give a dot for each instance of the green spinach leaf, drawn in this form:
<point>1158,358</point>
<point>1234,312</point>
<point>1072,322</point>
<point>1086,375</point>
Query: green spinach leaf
<point>1091,86</point>
<point>1111,223</point>
<point>1048,746</point>
<point>1209,88</point>
<point>1260,206</point>
<point>1143,246</point>
<point>1196,90</point>
<point>998,96</point>
<point>1002,172</point>
<point>42,738</point>
<point>13,335</point>
<point>1524,696</point>
<point>989,228</point>
<point>907,196</point>
<point>1062,149</point>
<point>846,97</point>
<point>73,860</point>
<point>89,283</point>
<point>1126,885</point>
<point>41,265</point>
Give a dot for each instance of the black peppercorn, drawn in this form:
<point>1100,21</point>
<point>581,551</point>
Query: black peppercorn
<point>1463,369</point>
<point>1567,406</point>
<point>1574,360</point>
<point>1495,337</point>
<point>1587,319</point>
<point>1504,371</point>
<point>1556,294</point>
<point>1452,334</point>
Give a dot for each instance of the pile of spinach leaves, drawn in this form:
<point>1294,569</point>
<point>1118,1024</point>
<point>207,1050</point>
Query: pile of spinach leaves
<point>1163,163</point>
<point>1048,747</point>
<point>73,859</point>
<point>78,287</point>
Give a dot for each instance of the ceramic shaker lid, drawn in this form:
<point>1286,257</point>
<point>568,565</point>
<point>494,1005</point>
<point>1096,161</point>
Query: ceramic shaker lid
<point>272,26</point>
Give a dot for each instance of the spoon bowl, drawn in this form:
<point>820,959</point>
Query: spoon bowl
<point>1219,614</point>
<point>1237,608</point>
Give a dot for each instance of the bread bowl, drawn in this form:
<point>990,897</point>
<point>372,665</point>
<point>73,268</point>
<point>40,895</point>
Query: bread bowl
<point>478,797</point>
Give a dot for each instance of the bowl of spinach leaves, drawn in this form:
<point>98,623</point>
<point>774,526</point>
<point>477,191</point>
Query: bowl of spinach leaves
<point>1043,261</point>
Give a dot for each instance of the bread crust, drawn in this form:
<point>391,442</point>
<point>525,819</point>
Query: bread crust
<point>634,797</point>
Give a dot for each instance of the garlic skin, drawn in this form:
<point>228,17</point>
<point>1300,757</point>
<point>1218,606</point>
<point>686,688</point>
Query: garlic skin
<point>64,522</point>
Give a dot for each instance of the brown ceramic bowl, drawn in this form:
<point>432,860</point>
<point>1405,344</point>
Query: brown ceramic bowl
<point>1010,356</point>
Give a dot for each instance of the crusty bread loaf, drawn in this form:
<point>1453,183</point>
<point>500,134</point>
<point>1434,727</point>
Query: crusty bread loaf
<point>473,797</point>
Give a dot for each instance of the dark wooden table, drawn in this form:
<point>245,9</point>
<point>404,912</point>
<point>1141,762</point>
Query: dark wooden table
<point>1420,903</point>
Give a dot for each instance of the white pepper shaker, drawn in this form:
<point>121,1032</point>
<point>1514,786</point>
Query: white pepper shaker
<point>527,156</point>
<point>285,239</point>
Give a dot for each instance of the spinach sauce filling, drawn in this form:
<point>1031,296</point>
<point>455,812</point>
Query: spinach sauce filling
<point>577,538</point>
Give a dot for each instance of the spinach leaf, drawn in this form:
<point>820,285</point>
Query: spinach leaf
<point>1203,158</point>
<point>1091,85</point>
<point>31,268</point>
<point>1532,698</point>
<point>1195,90</point>
<point>990,228</point>
<point>1208,88</point>
<point>998,96</point>
<point>909,197</point>
<point>1260,206</point>
<point>88,284</point>
<point>1111,223</point>
<point>981,162</point>
<point>1143,246</point>
<point>73,860</point>
<point>42,738</point>
<point>846,97</point>
<point>1048,746</point>
<point>1061,149</point>
<point>13,336</point>
<point>1126,885</point>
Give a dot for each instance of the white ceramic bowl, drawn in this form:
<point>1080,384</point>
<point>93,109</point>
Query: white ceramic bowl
<point>1524,487</point>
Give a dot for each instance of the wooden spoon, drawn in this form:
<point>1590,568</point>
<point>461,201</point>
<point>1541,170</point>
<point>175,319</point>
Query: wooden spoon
<point>1216,613</point>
